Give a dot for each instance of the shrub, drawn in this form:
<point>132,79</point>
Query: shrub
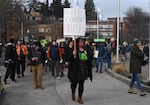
<point>121,69</point>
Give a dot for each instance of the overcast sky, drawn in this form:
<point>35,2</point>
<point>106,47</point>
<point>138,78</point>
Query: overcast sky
<point>109,7</point>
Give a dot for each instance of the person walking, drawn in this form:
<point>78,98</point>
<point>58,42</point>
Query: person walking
<point>54,57</point>
<point>22,52</point>
<point>62,56</point>
<point>78,69</point>
<point>101,54</point>
<point>10,60</point>
<point>135,67</point>
<point>37,60</point>
<point>108,54</point>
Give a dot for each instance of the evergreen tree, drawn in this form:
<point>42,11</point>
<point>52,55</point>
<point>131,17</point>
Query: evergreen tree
<point>90,10</point>
<point>33,5</point>
<point>44,9</point>
<point>66,4</point>
<point>57,8</point>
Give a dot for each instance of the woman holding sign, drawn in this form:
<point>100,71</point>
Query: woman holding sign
<point>78,69</point>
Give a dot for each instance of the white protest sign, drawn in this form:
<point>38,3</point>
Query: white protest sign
<point>74,22</point>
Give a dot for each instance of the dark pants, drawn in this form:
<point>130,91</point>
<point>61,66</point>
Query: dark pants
<point>108,58</point>
<point>55,68</point>
<point>22,63</point>
<point>80,88</point>
<point>10,72</point>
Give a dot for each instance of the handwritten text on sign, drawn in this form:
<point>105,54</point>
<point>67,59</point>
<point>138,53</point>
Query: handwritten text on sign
<point>74,22</point>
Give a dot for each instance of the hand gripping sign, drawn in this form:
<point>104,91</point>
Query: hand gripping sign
<point>74,23</point>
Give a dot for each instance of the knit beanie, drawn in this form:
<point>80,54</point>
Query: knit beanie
<point>136,41</point>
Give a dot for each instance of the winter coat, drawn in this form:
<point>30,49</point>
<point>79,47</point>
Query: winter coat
<point>135,60</point>
<point>78,70</point>
<point>10,54</point>
<point>38,54</point>
<point>53,53</point>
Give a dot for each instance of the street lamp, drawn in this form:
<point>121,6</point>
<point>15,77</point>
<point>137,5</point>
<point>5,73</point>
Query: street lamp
<point>118,16</point>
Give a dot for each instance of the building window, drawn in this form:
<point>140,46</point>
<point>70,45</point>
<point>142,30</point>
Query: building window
<point>41,29</point>
<point>47,29</point>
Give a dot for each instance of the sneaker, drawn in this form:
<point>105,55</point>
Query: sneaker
<point>100,72</point>
<point>18,76</point>
<point>109,69</point>
<point>22,75</point>
<point>58,78</point>
<point>62,74</point>
<point>40,87</point>
<point>36,87</point>
<point>13,82</point>
<point>5,82</point>
<point>142,93</point>
<point>131,91</point>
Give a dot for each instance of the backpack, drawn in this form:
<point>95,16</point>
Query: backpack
<point>109,48</point>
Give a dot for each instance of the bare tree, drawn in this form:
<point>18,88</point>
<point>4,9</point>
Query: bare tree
<point>137,20</point>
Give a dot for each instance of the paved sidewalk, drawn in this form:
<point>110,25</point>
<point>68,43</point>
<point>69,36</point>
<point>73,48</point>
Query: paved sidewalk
<point>23,92</point>
<point>104,90</point>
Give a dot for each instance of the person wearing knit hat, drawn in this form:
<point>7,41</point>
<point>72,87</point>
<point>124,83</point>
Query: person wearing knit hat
<point>137,41</point>
<point>135,67</point>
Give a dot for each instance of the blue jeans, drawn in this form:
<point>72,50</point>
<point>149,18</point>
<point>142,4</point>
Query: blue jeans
<point>100,61</point>
<point>108,58</point>
<point>136,77</point>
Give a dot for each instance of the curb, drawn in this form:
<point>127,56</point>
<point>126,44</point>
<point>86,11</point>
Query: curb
<point>126,80</point>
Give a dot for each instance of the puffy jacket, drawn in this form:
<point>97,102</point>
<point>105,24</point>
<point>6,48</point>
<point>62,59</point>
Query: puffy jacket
<point>54,53</point>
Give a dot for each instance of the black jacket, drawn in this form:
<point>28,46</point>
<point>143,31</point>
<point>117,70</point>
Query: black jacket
<point>10,54</point>
<point>74,73</point>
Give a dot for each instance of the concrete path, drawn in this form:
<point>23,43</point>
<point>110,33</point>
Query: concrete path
<point>104,90</point>
<point>23,92</point>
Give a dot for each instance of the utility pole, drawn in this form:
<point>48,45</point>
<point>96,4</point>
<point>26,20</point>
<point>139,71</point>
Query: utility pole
<point>149,46</point>
<point>118,21</point>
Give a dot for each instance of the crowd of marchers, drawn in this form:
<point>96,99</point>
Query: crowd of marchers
<point>78,56</point>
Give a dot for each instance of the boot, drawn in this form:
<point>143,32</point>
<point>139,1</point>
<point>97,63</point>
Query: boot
<point>142,93</point>
<point>131,91</point>
<point>41,87</point>
<point>80,101</point>
<point>36,87</point>
<point>73,96</point>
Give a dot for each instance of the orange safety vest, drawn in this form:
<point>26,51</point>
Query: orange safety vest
<point>23,48</point>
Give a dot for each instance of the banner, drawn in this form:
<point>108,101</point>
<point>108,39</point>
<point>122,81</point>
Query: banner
<point>74,22</point>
